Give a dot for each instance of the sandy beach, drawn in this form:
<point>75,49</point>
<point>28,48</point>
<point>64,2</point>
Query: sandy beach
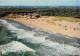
<point>71,29</point>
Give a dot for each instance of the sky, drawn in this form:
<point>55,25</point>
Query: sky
<point>39,2</point>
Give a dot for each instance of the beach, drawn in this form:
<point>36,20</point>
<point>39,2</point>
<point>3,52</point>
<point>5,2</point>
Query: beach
<point>34,41</point>
<point>68,28</point>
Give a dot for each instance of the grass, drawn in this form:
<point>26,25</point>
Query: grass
<point>70,19</point>
<point>60,18</point>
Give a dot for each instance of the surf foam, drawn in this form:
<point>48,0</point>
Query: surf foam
<point>14,46</point>
<point>62,48</point>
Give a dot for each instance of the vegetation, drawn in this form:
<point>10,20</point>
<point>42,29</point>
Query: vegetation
<point>54,11</point>
<point>70,19</point>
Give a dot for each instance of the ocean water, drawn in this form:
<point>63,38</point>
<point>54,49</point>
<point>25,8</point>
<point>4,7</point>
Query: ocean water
<point>25,40</point>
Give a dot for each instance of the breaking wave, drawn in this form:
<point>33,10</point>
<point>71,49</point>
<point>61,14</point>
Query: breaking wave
<point>14,46</point>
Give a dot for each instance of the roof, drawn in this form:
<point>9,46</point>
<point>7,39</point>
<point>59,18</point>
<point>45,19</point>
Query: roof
<point>34,14</point>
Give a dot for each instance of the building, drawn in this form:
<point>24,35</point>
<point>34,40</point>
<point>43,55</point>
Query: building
<point>34,16</point>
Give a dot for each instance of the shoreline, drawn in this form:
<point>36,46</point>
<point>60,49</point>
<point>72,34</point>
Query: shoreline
<point>48,25</point>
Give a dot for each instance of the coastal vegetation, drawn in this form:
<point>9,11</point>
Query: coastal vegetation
<point>67,19</point>
<point>62,18</point>
<point>46,11</point>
